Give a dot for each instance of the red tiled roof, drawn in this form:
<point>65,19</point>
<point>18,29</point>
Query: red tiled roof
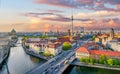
<point>105,52</point>
<point>64,39</point>
<point>55,45</point>
<point>82,49</point>
<point>76,37</point>
<point>104,35</point>
<point>89,44</point>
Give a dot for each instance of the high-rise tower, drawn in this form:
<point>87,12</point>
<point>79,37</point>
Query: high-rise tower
<point>112,33</point>
<point>69,33</point>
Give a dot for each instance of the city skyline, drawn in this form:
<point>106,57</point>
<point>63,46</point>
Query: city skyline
<point>46,15</point>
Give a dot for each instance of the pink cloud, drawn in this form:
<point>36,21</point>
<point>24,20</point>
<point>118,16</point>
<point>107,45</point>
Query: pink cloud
<point>60,3</point>
<point>83,4</point>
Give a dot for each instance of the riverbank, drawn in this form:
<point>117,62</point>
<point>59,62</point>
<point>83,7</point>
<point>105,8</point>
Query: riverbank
<point>19,62</point>
<point>78,63</point>
<point>90,70</point>
<point>6,54</point>
<point>32,53</point>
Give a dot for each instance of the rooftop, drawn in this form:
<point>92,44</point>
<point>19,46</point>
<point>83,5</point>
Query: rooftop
<point>82,49</point>
<point>105,52</point>
<point>89,44</point>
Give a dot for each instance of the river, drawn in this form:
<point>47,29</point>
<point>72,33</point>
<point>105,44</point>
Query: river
<point>88,70</point>
<point>19,62</point>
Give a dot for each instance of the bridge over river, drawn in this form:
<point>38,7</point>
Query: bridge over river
<point>56,65</point>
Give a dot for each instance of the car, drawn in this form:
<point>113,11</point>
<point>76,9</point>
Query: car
<point>52,67</point>
<point>56,69</point>
<point>66,62</point>
<point>45,72</point>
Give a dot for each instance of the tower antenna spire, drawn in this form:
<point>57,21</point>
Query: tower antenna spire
<point>72,19</point>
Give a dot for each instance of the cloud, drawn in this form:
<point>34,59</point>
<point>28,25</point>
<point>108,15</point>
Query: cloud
<point>60,3</point>
<point>55,17</point>
<point>51,10</point>
<point>34,14</point>
<point>54,11</point>
<point>83,4</point>
<point>98,14</point>
<point>60,19</point>
<point>113,1</point>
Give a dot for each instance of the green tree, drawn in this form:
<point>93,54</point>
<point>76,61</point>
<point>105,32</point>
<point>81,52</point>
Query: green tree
<point>110,62</point>
<point>94,37</point>
<point>92,61</point>
<point>82,60</point>
<point>27,47</point>
<point>118,62</point>
<point>46,54</point>
<point>43,36</point>
<point>66,46</point>
<point>103,59</point>
<point>87,60</point>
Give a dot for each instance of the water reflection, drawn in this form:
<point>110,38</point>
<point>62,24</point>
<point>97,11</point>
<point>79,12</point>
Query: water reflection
<point>88,70</point>
<point>3,70</point>
<point>19,62</point>
<point>36,60</point>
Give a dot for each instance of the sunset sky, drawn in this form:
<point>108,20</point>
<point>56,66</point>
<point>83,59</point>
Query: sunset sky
<point>46,15</point>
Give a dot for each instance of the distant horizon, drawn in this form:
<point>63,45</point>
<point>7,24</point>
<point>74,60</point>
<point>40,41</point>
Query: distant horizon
<point>105,30</point>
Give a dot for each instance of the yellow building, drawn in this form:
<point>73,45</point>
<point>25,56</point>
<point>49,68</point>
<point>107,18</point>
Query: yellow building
<point>54,49</point>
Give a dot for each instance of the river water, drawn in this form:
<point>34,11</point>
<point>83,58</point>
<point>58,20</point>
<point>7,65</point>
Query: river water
<point>88,70</point>
<point>19,62</point>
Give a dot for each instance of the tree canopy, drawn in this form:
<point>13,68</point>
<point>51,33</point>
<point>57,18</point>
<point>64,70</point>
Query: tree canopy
<point>66,46</point>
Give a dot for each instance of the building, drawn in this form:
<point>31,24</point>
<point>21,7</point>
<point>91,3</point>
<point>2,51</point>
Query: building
<point>92,46</point>
<point>85,52</point>
<point>97,39</point>
<point>69,33</point>
<point>13,34</point>
<point>114,44</point>
<point>112,33</point>
<point>36,47</point>
<point>109,54</point>
<point>82,52</point>
<point>44,45</point>
<point>81,29</point>
<point>54,48</point>
<point>67,39</point>
<point>103,38</point>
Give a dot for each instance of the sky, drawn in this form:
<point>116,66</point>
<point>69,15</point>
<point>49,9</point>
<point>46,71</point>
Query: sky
<point>53,15</point>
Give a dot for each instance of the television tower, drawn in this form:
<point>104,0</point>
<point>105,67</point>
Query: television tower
<point>72,20</point>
